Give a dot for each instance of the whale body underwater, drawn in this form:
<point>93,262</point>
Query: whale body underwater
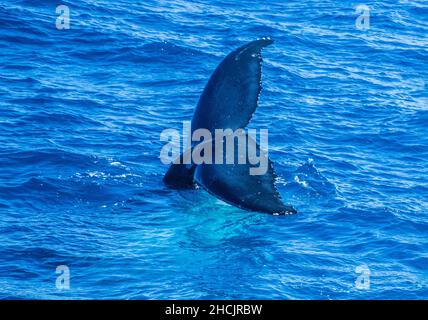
<point>228,102</point>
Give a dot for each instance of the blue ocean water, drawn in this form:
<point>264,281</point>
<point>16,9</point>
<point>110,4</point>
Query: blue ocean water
<point>81,111</point>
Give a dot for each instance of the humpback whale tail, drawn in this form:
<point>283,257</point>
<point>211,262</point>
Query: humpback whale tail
<point>228,102</point>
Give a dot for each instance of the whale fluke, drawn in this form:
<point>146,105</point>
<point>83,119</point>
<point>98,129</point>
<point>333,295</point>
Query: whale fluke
<point>228,102</point>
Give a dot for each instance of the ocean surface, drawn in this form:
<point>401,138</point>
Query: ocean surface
<point>82,109</point>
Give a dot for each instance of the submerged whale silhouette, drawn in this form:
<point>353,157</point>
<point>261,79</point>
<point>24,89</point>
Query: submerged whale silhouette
<point>228,101</point>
